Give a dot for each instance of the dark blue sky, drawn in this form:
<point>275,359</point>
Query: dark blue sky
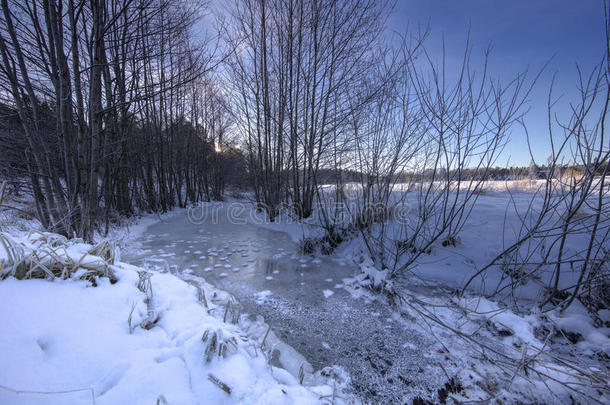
<point>524,34</point>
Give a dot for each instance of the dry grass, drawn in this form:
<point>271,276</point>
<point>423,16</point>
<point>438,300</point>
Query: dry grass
<point>46,257</point>
<point>216,345</point>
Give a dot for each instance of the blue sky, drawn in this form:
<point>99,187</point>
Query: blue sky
<point>524,34</point>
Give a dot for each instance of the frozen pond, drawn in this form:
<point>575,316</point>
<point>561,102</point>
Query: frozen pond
<point>303,300</point>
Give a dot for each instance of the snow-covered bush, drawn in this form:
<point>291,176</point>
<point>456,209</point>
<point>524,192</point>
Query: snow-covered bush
<point>48,255</point>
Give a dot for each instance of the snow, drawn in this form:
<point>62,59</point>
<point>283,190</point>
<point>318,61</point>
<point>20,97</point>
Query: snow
<point>577,320</point>
<point>66,341</point>
<point>560,342</point>
<point>131,230</point>
<point>262,296</point>
<point>172,350</point>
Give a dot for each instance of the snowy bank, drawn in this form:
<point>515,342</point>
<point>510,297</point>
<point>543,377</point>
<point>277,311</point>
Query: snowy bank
<point>146,338</point>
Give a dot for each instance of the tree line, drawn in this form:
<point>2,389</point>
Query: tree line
<point>118,108</point>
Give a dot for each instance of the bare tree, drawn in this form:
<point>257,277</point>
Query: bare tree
<point>571,207</point>
<point>114,77</point>
<point>439,137</point>
<point>293,64</point>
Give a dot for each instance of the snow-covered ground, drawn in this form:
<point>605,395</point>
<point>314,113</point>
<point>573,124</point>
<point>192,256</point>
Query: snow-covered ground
<point>358,330</point>
<point>143,338</point>
<point>560,342</point>
<point>66,335</point>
